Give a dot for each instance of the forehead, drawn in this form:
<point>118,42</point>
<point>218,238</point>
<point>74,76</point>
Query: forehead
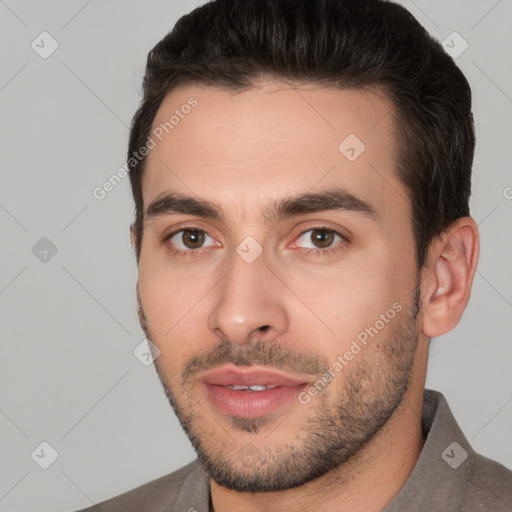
<point>244,149</point>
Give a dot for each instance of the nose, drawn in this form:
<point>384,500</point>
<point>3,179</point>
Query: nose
<point>248,301</point>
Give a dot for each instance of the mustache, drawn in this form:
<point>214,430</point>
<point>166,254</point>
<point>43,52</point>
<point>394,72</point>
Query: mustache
<point>259,352</point>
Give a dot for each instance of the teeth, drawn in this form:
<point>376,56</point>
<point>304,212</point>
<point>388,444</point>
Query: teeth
<point>256,387</point>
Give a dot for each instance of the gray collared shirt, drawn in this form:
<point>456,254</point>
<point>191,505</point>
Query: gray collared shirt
<point>448,476</point>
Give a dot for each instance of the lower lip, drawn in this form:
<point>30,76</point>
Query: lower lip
<point>251,404</point>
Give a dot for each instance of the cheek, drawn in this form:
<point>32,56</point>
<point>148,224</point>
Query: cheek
<point>169,298</point>
<point>175,304</point>
<point>335,300</point>
<point>338,304</point>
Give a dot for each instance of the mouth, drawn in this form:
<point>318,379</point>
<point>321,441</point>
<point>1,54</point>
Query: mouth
<point>251,392</point>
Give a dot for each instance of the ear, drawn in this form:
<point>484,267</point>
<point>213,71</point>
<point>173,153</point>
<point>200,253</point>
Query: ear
<point>448,276</point>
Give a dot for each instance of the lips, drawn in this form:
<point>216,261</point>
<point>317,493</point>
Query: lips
<point>229,390</point>
<point>233,376</point>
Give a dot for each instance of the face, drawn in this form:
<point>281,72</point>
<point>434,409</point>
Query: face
<point>278,251</point>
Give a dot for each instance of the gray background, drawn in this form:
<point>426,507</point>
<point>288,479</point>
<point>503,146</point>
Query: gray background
<point>69,325</point>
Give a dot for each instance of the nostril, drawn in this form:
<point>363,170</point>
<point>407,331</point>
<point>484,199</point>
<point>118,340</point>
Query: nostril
<point>264,328</point>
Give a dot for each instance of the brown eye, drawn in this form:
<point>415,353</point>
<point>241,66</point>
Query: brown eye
<point>187,240</point>
<point>192,239</point>
<point>322,238</point>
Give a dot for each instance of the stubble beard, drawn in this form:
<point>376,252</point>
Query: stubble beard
<point>374,386</point>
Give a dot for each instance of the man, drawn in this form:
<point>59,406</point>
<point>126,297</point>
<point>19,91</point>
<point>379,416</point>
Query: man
<point>301,173</point>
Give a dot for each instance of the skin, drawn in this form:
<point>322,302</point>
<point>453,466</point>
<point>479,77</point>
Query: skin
<point>244,151</point>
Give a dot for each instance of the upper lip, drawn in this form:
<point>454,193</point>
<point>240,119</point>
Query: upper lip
<point>233,376</point>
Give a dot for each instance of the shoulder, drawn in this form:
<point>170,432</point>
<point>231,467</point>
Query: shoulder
<point>155,496</point>
<point>489,487</point>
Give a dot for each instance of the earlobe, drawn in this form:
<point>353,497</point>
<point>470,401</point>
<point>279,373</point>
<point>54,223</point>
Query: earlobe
<point>450,276</point>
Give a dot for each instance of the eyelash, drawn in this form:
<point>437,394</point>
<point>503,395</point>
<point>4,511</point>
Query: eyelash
<point>308,251</point>
<point>323,252</point>
<point>181,252</point>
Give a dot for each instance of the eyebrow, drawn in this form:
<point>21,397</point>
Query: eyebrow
<point>329,199</point>
<point>173,202</point>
